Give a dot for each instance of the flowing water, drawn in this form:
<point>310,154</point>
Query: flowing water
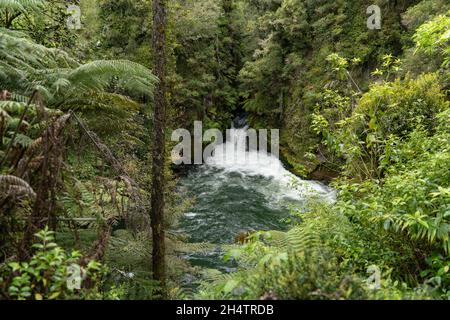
<point>233,196</point>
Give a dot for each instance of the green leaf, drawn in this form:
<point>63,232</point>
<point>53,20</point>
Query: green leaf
<point>230,285</point>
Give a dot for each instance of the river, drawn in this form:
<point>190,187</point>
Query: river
<point>233,197</point>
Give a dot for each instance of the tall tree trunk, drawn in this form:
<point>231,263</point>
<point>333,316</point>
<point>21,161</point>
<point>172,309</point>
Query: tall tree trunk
<point>159,123</point>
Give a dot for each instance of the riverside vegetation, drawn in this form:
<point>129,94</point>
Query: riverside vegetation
<point>365,112</point>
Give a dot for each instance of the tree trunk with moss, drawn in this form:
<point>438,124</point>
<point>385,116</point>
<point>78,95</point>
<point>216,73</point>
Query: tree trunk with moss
<point>159,124</point>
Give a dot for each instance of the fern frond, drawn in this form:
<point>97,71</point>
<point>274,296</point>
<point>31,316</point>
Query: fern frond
<point>23,140</point>
<point>64,83</point>
<point>97,75</point>
<point>96,101</point>
<point>21,5</point>
<point>15,186</point>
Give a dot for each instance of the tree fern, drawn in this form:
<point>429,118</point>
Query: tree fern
<point>12,186</point>
<point>99,100</point>
<point>62,81</point>
<point>21,5</point>
<point>297,239</point>
<point>10,9</point>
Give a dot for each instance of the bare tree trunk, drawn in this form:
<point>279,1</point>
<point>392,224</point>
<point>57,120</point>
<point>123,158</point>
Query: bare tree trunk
<point>159,123</point>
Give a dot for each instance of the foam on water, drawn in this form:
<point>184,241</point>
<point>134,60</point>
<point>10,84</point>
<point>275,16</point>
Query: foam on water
<point>235,156</point>
<point>240,190</point>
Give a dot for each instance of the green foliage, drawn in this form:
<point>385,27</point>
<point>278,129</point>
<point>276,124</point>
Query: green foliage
<point>58,77</point>
<point>47,274</point>
<point>364,136</point>
<point>63,84</point>
<point>123,30</point>
<point>414,196</point>
<point>207,52</point>
<point>204,48</point>
<point>439,271</point>
<point>45,21</point>
<point>27,66</point>
<point>14,6</point>
<point>283,276</point>
<point>396,142</point>
<point>284,74</point>
<point>326,256</point>
<point>381,119</point>
<point>433,37</point>
<point>423,11</point>
<point>109,94</point>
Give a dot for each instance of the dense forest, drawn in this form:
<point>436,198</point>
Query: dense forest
<point>92,207</point>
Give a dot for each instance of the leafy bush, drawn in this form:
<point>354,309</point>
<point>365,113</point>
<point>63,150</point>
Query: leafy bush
<point>291,276</point>
<point>49,272</point>
<point>398,107</point>
<point>326,256</point>
<point>384,116</point>
<point>410,202</point>
<point>433,38</point>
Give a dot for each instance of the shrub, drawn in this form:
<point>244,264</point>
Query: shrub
<point>49,273</point>
<point>384,116</point>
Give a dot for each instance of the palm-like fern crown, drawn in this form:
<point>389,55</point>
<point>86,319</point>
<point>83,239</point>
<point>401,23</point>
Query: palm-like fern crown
<point>11,9</point>
<point>61,80</point>
<point>20,5</point>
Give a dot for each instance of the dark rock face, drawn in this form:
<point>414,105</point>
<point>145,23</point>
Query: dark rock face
<point>323,174</point>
